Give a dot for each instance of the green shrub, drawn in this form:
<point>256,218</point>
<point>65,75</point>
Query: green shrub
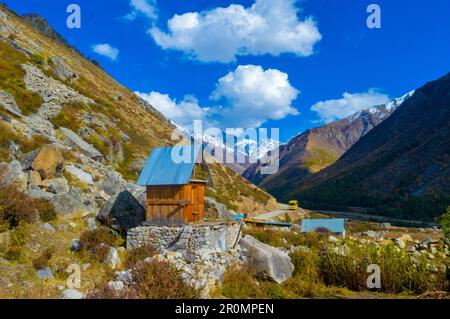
<point>444,221</point>
<point>306,265</point>
<point>97,242</point>
<point>139,254</point>
<point>16,206</point>
<point>239,283</point>
<point>47,211</point>
<point>68,116</point>
<point>37,59</point>
<point>160,280</point>
<point>399,272</point>
<point>42,261</point>
<point>19,237</point>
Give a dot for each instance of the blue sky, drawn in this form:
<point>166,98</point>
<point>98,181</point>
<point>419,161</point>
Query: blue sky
<point>234,70</point>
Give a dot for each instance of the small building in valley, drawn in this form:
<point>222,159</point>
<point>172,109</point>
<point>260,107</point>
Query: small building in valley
<point>175,194</point>
<point>332,225</point>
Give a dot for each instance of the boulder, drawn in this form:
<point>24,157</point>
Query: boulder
<point>112,258</point>
<point>14,175</point>
<point>122,212</point>
<point>113,184</point>
<point>48,227</point>
<point>91,223</point>
<point>34,178</point>
<point>406,238</point>
<point>47,161</point>
<point>79,174</point>
<point>28,159</point>
<point>267,260</point>
<point>35,192</point>
<point>69,205</point>
<point>73,140</point>
<point>116,285</point>
<point>75,245</point>
<point>45,274</point>
<point>55,185</point>
<point>71,294</point>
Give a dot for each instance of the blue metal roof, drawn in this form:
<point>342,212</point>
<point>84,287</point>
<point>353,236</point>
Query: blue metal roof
<point>164,169</point>
<point>334,225</point>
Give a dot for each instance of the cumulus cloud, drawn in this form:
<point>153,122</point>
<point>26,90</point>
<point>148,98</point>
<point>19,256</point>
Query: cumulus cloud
<point>182,113</point>
<point>143,7</point>
<point>106,50</point>
<point>252,96</point>
<point>331,110</point>
<point>220,34</point>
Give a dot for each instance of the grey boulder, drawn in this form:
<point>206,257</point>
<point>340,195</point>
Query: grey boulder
<point>267,260</point>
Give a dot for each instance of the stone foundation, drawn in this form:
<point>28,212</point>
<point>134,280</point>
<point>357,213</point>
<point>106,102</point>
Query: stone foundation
<point>194,239</point>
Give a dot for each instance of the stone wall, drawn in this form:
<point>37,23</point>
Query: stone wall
<point>196,239</point>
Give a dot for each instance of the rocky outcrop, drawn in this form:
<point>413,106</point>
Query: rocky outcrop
<point>62,70</point>
<point>79,174</point>
<point>73,140</point>
<point>14,175</point>
<point>70,205</point>
<point>267,260</point>
<point>55,185</point>
<point>9,104</point>
<point>122,212</point>
<point>47,161</point>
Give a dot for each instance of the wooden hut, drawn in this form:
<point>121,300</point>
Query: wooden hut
<point>174,196</point>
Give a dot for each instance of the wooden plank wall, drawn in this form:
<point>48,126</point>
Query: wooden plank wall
<point>177,204</point>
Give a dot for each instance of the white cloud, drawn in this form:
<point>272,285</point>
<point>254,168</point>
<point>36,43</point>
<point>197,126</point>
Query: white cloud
<point>331,110</point>
<point>144,7</point>
<point>182,113</point>
<point>253,95</point>
<point>106,50</point>
<point>221,34</point>
<point>246,97</point>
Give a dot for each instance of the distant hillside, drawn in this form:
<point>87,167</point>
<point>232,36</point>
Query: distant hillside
<point>47,87</point>
<point>401,168</point>
<point>317,148</point>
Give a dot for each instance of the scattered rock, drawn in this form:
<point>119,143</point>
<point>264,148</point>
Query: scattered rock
<point>112,258</point>
<point>75,245</point>
<point>71,294</point>
<point>399,243</point>
<point>29,158</point>
<point>55,185</point>
<point>122,212</point>
<point>79,174</point>
<point>48,227</point>
<point>116,285</point>
<point>47,161</point>
<point>45,274</point>
<point>8,102</point>
<point>34,178</point>
<point>73,140</point>
<point>406,238</point>
<point>14,175</point>
<point>267,260</point>
<point>91,223</point>
<point>36,192</point>
<point>332,239</point>
<point>113,184</point>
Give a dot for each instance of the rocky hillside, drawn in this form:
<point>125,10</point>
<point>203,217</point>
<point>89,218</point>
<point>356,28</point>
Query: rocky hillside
<point>317,148</point>
<point>51,95</point>
<point>401,167</point>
